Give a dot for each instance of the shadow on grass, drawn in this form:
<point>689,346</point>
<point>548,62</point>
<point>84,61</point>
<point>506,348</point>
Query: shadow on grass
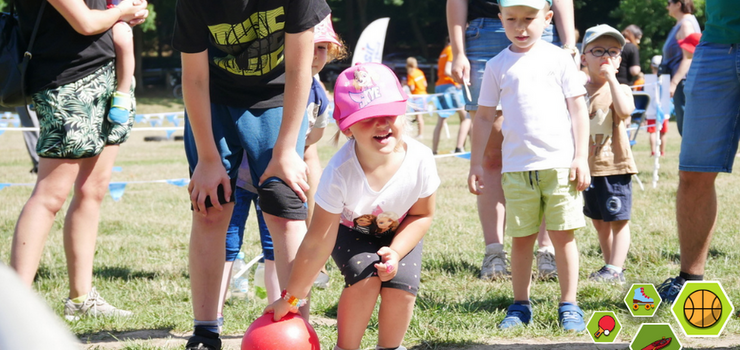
<point>124,273</point>
<point>451,265</point>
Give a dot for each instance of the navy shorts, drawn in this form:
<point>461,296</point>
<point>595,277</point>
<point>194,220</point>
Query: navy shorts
<point>355,254</point>
<point>608,198</point>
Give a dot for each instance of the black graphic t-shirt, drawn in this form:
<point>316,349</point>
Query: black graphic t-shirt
<point>245,42</point>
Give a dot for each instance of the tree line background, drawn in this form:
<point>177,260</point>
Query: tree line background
<point>418,27</point>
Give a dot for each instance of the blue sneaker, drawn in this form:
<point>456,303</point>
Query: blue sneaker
<point>516,315</point>
<point>670,288</point>
<point>571,317</point>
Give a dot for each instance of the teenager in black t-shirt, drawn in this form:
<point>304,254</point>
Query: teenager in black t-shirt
<point>246,71</point>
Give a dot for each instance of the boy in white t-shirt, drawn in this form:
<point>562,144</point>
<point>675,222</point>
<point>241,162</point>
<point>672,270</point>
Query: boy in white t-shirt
<point>543,147</point>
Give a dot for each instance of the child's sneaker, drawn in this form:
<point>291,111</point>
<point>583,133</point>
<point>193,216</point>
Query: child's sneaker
<point>94,306</point>
<point>495,264</point>
<point>203,340</point>
<point>571,317</point>
<point>119,109</point>
<point>607,274</point>
<point>669,289</point>
<point>516,315</point>
<point>546,267</point>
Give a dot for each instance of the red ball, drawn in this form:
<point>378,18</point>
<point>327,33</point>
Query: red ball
<point>291,332</point>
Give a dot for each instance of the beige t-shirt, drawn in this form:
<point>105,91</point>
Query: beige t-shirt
<point>609,146</point>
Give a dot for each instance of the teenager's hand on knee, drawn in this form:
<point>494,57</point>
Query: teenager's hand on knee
<point>475,179</point>
<point>204,183</point>
<point>579,173</point>
<point>291,168</point>
<point>388,266</point>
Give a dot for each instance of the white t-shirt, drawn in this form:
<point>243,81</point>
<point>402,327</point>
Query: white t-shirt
<point>344,188</point>
<point>532,88</point>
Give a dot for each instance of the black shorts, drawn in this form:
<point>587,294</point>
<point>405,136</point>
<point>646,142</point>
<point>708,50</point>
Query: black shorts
<point>608,198</point>
<point>355,254</point>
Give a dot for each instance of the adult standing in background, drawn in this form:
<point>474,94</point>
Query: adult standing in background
<point>676,60</point>
<point>629,68</point>
<point>483,39</point>
<point>71,79</point>
<point>710,142</point>
<point>447,86</point>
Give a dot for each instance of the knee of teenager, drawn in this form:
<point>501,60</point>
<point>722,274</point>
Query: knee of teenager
<point>277,199</point>
<point>91,193</point>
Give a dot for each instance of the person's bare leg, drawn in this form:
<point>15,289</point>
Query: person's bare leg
<point>55,179</point>
<point>662,144</point>
<point>462,133</point>
<point>696,214</point>
<point>356,305</point>
<point>566,257</point>
<point>394,316</point>
<point>311,157</point>
<point>620,242</point>
<point>272,284</point>
<point>437,131</point>
<point>420,122</point>
<point>123,41</point>
<point>206,260</point>
<point>287,236</point>
<point>543,238</point>
<point>83,216</point>
<point>521,265</point>
<point>491,203</point>
<point>225,284</point>
<point>606,238</point>
<point>653,142</point>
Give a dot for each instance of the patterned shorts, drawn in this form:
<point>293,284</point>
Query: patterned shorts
<point>73,118</point>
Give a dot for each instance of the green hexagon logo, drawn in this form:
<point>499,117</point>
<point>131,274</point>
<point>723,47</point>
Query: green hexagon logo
<point>642,300</point>
<point>702,308</point>
<point>655,336</point>
<point>603,327</point>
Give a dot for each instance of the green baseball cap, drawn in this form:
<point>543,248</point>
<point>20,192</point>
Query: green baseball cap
<point>536,4</point>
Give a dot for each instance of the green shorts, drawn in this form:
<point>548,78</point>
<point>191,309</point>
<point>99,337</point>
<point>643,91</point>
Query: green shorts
<point>73,119</point>
<point>532,194</point>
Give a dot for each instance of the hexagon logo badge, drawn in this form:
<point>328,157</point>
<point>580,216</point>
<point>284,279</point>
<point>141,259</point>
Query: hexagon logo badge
<point>655,336</point>
<point>702,308</point>
<point>642,300</point>
<point>603,327</point>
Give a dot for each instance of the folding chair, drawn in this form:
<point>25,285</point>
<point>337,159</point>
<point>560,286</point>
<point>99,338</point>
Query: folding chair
<point>642,101</point>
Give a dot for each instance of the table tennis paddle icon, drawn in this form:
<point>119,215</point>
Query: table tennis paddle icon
<point>606,325</point>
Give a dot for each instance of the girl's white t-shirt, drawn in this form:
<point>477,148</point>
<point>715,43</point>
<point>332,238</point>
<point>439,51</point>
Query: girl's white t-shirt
<point>532,88</point>
<point>344,188</point>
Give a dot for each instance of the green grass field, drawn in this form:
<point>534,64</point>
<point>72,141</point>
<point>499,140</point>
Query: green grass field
<point>141,258</point>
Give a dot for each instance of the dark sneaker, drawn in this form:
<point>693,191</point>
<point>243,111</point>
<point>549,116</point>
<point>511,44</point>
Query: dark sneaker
<point>516,315</point>
<point>203,340</point>
<point>571,317</point>
<point>669,289</point>
<point>607,274</point>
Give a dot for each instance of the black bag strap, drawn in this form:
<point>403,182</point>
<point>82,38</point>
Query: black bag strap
<point>27,54</point>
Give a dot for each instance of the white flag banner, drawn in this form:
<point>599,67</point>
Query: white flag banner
<point>370,46</point>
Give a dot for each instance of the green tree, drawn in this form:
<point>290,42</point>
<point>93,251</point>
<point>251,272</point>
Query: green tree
<point>652,17</point>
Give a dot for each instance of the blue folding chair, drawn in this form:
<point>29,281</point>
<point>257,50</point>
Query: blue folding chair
<point>642,101</point>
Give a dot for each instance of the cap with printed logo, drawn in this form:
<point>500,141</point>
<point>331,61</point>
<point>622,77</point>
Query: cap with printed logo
<point>367,90</point>
<point>324,32</point>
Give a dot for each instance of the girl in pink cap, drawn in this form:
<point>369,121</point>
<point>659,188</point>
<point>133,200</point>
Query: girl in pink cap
<point>378,171</point>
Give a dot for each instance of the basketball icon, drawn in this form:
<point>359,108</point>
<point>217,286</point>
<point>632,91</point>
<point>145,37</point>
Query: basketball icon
<point>702,308</point>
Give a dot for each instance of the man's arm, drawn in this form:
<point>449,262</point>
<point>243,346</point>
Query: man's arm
<point>457,13</point>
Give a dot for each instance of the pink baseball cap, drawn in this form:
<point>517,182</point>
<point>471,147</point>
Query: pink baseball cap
<point>324,32</point>
<point>367,90</point>
<point>689,43</point>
